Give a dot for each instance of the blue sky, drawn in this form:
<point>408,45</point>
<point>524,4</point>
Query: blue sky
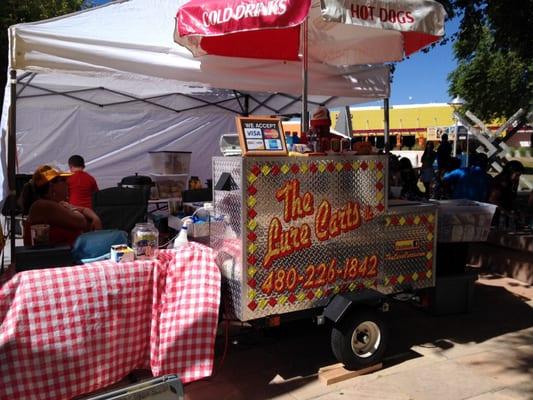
<point>421,78</point>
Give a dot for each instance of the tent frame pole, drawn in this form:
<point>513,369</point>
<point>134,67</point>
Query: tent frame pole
<point>304,127</point>
<point>386,125</point>
<point>246,105</point>
<point>253,103</point>
<point>11,161</point>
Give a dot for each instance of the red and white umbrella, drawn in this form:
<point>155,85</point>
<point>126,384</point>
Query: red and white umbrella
<point>334,32</point>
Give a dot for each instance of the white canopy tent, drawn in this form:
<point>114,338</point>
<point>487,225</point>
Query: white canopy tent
<point>111,84</point>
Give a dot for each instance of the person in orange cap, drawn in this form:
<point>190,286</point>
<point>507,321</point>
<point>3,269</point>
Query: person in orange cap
<point>50,207</point>
<point>321,123</point>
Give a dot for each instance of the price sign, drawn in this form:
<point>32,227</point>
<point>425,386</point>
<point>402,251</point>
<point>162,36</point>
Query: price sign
<point>261,136</point>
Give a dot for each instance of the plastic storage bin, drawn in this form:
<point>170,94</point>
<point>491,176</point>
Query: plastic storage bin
<point>170,186</point>
<point>170,162</point>
<point>464,220</point>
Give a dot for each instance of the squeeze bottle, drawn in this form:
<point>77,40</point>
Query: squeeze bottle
<point>181,239</point>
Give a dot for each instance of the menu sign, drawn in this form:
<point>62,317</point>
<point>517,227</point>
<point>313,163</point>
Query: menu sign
<point>261,136</point>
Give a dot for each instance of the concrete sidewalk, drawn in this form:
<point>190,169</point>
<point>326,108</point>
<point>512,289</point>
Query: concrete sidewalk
<point>484,355</point>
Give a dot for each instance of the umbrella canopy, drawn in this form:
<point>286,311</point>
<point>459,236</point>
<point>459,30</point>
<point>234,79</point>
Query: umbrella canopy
<point>341,32</point>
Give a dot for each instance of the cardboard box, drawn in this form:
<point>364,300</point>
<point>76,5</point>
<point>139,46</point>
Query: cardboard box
<point>122,253</point>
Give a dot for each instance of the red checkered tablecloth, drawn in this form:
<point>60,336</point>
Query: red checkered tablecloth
<point>185,321</point>
<point>73,330</point>
<point>229,249</point>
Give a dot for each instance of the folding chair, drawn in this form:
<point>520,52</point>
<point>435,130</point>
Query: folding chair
<point>121,208</point>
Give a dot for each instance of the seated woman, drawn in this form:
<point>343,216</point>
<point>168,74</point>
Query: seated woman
<point>50,207</point>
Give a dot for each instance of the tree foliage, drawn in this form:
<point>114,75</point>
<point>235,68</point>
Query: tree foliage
<point>18,11</point>
<point>494,51</point>
<point>494,83</point>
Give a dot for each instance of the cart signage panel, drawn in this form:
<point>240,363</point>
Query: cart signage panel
<point>309,229</point>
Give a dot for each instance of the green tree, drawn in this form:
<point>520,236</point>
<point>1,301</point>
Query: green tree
<point>19,11</point>
<point>494,83</point>
<point>494,51</point>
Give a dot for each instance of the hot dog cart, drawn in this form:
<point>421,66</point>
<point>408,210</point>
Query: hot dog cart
<point>317,234</point>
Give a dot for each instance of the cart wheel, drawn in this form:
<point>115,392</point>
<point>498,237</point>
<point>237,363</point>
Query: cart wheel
<point>360,339</point>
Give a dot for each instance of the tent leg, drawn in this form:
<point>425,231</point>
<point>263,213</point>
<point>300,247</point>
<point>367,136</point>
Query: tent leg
<point>246,105</point>
<point>11,163</point>
<point>386,124</point>
<point>304,127</point>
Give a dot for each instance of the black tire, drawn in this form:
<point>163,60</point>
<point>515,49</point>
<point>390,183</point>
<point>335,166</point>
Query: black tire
<point>369,331</point>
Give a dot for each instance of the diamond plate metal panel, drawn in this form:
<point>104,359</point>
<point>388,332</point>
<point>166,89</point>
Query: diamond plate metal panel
<point>278,257</point>
<point>409,248</point>
<point>309,276</point>
<point>300,278</point>
<point>226,234</point>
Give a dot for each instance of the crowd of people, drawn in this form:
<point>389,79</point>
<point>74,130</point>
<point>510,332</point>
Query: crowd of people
<point>441,176</point>
<point>61,200</point>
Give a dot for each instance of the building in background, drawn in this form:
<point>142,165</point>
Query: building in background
<point>409,125</point>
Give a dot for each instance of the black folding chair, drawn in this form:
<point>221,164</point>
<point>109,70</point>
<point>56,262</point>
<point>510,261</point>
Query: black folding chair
<point>121,208</point>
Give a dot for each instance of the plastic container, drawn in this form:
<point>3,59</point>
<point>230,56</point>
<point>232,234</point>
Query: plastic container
<point>464,220</point>
<point>199,224</point>
<point>145,240</point>
<point>170,186</point>
<point>229,145</point>
<point>181,239</point>
<point>170,162</point>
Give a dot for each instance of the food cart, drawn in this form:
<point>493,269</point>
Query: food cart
<point>317,235</point>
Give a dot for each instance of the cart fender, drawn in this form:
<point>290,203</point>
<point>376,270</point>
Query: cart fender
<point>339,306</point>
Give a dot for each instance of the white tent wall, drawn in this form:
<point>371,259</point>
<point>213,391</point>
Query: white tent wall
<point>114,119</point>
<point>115,140</point>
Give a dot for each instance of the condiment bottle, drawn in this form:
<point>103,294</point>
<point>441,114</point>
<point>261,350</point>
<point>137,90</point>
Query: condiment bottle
<point>181,239</point>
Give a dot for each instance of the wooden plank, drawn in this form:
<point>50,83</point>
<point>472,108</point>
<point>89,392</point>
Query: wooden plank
<point>337,373</point>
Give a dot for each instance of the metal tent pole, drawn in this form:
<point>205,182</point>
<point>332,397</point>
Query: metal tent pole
<point>11,160</point>
<point>304,125</point>
<point>456,137</point>
<point>386,124</point>
<point>246,105</point>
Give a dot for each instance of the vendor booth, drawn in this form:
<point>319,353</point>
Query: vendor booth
<point>290,235</point>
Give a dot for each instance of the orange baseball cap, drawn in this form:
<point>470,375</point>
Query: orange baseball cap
<point>45,174</point>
